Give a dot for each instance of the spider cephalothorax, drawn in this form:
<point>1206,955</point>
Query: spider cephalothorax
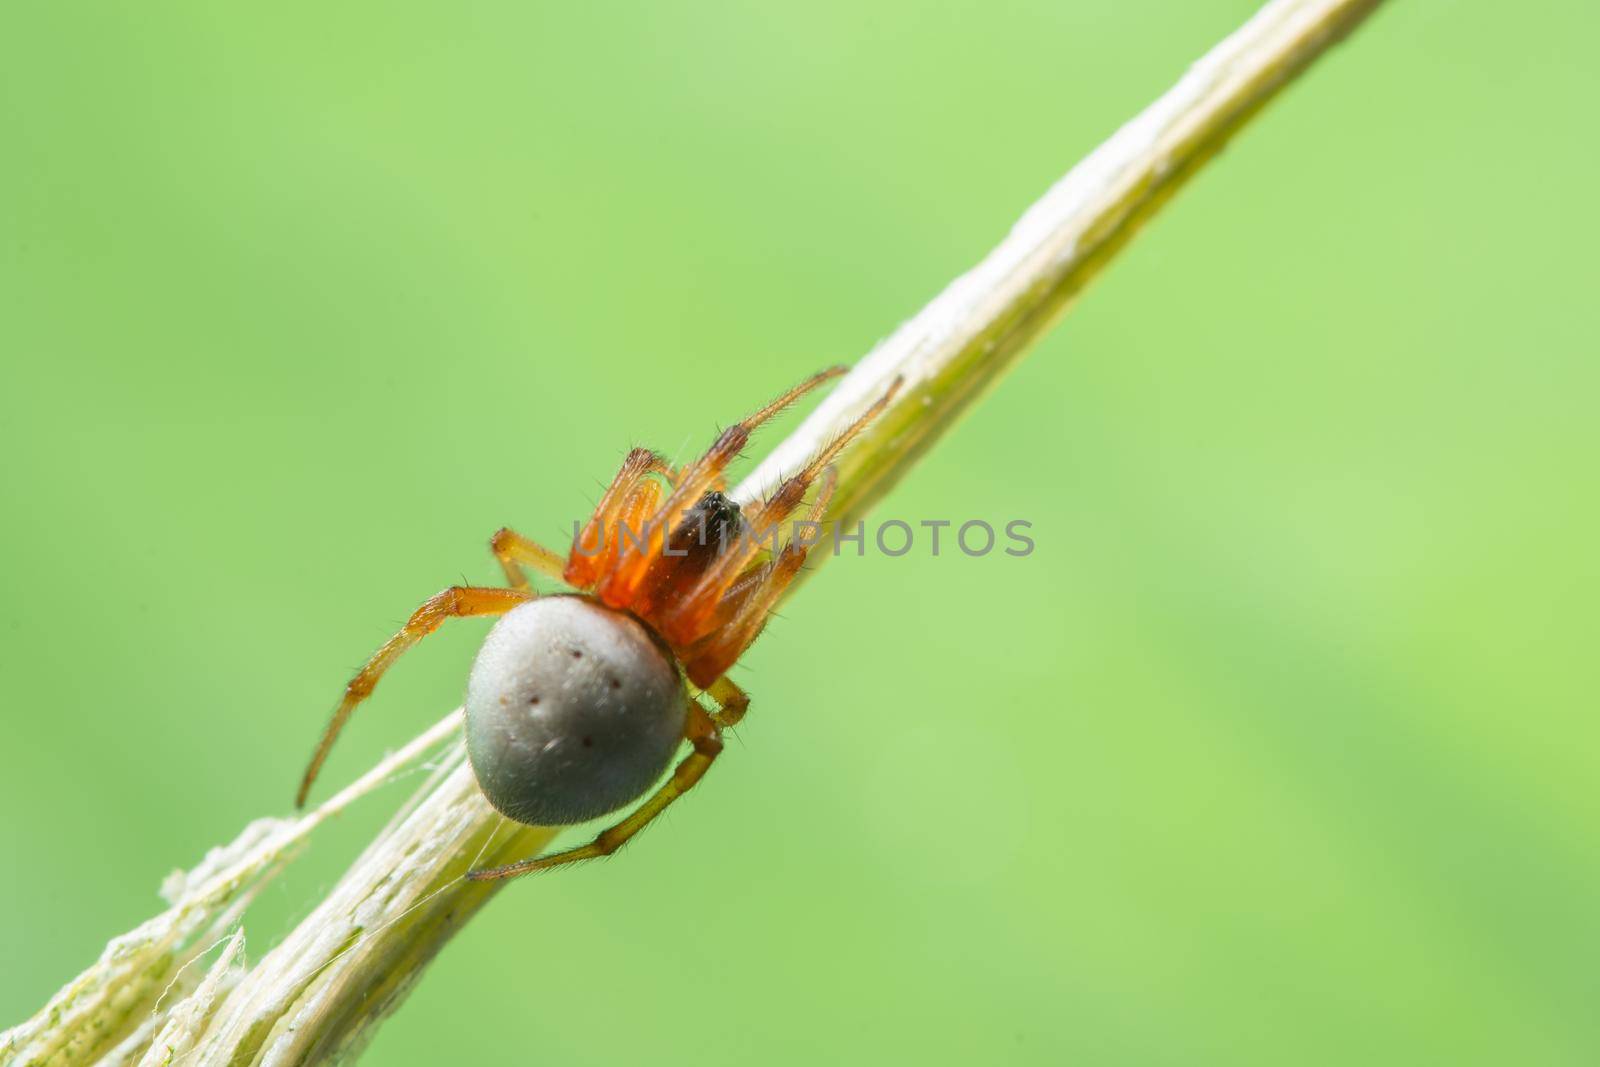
<point>577,702</point>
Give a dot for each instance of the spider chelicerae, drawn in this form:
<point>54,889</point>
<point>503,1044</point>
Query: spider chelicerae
<point>577,702</point>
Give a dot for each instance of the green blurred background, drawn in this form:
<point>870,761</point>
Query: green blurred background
<point>1280,747</point>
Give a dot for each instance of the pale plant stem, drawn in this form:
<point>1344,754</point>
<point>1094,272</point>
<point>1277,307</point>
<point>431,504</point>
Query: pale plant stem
<point>970,334</point>
<point>321,992</point>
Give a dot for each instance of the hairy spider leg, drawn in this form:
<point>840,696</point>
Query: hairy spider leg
<point>732,702</point>
<point>594,551</point>
<point>685,621</point>
<point>620,586</point>
<point>723,647</point>
<point>630,523</point>
<point>456,602</point>
<point>515,552</point>
<point>742,588</point>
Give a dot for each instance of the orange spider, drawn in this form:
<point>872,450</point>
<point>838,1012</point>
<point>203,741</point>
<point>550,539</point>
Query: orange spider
<point>577,702</point>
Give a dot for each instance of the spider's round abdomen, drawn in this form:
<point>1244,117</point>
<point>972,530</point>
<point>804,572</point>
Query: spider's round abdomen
<point>573,710</point>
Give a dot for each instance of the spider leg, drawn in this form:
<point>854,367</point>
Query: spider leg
<point>711,657</point>
<point>631,497</point>
<point>732,702</point>
<point>623,582</point>
<point>703,733</point>
<point>455,602</point>
<point>687,620</point>
<point>515,551</point>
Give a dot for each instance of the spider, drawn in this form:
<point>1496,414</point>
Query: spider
<point>577,702</point>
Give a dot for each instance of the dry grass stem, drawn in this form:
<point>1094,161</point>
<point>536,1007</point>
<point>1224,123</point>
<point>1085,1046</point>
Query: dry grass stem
<point>319,994</point>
